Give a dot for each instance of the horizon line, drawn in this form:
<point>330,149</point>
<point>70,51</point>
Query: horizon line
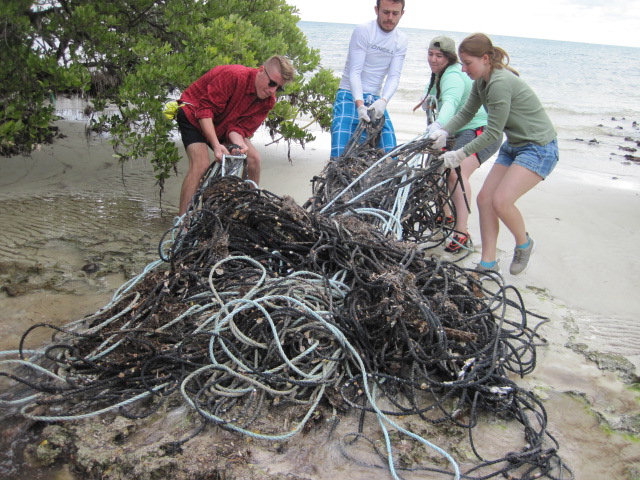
<point>490,34</point>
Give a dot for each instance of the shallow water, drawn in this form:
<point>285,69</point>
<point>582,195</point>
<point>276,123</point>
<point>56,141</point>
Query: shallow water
<point>67,211</point>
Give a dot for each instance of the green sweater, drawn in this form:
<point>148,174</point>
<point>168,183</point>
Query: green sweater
<point>455,86</point>
<point>512,107</point>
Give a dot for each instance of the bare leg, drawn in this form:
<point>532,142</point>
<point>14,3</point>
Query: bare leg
<point>467,167</point>
<point>198,154</point>
<point>254,162</point>
<point>496,201</point>
<point>489,222</point>
<point>517,181</point>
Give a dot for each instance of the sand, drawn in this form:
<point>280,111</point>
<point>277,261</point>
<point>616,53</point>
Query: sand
<point>71,204</point>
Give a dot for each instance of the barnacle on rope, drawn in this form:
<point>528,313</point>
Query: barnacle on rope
<point>261,303</point>
<point>402,192</point>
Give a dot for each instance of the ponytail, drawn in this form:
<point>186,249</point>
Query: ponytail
<point>501,59</point>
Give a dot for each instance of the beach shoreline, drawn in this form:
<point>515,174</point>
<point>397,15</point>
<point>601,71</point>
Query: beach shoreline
<point>583,276</point>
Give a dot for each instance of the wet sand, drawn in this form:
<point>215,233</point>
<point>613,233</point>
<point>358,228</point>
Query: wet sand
<point>70,209</point>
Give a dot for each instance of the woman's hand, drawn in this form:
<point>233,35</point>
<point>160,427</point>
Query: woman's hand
<point>453,159</point>
<point>433,127</point>
<point>439,138</point>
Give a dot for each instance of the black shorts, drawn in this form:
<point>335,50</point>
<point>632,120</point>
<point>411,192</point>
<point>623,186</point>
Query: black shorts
<point>465,136</point>
<point>188,132</point>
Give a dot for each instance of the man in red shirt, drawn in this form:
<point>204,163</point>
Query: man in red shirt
<point>226,106</point>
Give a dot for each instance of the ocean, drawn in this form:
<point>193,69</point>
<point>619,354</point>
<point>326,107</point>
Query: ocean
<point>591,92</point>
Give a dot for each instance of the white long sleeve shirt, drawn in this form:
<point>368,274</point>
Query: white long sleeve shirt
<point>373,55</point>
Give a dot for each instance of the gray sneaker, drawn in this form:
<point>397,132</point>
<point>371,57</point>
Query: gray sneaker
<point>486,272</point>
<point>521,258</point>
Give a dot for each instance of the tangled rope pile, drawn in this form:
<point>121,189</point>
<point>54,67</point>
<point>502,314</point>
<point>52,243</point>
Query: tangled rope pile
<point>403,192</point>
<point>258,304</point>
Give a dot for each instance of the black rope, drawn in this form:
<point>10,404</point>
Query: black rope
<point>436,342</point>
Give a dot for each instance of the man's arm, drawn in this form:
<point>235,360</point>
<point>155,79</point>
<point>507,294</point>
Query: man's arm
<point>209,131</point>
<point>237,139</point>
<point>357,56</point>
<point>395,69</point>
<point>247,123</point>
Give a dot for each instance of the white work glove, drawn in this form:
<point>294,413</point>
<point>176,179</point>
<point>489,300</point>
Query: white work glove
<point>433,127</point>
<point>379,106</point>
<point>363,113</point>
<point>439,138</point>
<point>453,159</point>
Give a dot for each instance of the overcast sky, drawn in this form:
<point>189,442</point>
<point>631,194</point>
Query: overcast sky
<point>608,22</point>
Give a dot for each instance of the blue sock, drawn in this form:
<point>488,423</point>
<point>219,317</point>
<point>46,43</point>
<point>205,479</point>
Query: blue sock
<point>525,245</point>
<point>487,264</point>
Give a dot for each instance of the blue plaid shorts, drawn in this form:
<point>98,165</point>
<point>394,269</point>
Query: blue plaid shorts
<point>345,122</point>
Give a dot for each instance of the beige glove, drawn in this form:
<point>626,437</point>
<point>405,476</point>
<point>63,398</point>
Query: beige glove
<point>379,106</point>
<point>439,138</point>
<point>363,113</point>
<point>453,159</point>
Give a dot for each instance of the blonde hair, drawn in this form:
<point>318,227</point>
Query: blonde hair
<point>284,65</point>
<point>479,44</point>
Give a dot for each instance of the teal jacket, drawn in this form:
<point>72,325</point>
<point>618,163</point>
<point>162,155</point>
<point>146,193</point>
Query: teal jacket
<point>455,86</point>
<point>512,108</point>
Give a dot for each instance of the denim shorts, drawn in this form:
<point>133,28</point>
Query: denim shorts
<point>540,159</point>
<point>465,136</point>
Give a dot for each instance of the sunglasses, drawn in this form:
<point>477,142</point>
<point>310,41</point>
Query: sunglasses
<point>273,83</point>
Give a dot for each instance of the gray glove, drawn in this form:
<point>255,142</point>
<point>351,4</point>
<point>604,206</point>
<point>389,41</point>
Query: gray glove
<point>439,138</point>
<point>379,106</point>
<point>453,159</point>
<point>363,113</point>
<point>433,127</point>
